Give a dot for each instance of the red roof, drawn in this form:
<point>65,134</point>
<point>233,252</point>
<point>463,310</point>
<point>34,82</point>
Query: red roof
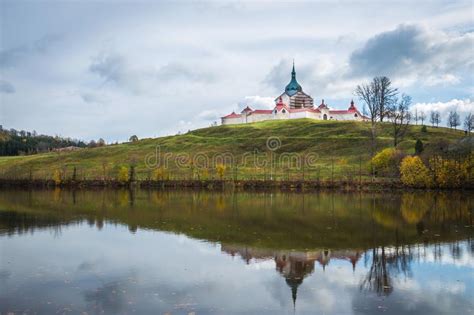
<point>232,115</point>
<point>322,105</point>
<point>281,106</point>
<point>352,108</point>
<point>246,110</point>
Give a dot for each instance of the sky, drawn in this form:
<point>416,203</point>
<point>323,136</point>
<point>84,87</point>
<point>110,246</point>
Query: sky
<point>112,69</point>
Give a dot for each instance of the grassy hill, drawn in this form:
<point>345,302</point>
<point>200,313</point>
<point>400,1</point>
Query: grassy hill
<point>333,146</point>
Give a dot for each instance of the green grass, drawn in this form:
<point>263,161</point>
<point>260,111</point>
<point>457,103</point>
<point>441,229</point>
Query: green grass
<point>342,144</point>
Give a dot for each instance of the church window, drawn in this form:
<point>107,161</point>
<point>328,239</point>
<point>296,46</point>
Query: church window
<point>355,115</point>
<point>283,111</point>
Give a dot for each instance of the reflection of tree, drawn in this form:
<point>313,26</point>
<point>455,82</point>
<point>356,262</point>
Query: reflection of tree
<point>385,264</point>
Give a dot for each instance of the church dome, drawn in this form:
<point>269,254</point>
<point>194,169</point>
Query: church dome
<point>293,87</point>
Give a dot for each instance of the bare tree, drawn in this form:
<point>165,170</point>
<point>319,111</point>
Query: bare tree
<point>432,118</point>
<point>453,119</point>
<point>469,123</point>
<point>368,93</point>
<point>378,96</point>
<point>422,117</point>
<point>416,116</point>
<point>400,118</point>
<point>438,118</point>
<point>386,95</point>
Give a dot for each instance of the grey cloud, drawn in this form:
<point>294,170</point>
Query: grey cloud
<point>110,67</point>
<point>6,87</point>
<point>113,67</point>
<point>209,115</point>
<point>175,71</point>
<point>45,42</point>
<point>280,74</point>
<point>411,49</point>
<point>11,57</point>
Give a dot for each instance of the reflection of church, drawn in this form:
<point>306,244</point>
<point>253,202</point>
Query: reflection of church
<point>293,104</point>
<point>294,266</point>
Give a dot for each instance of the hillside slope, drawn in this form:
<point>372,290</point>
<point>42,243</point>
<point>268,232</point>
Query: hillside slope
<point>333,146</point>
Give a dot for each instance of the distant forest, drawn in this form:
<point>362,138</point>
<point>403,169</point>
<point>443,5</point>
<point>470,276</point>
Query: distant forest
<point>21,142</point>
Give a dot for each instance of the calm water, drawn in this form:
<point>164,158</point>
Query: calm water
<point>155,252</point>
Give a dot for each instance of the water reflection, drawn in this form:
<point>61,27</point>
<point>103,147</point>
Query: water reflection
<point>342,253</point>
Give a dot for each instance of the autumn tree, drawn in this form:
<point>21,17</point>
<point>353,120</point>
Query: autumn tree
<point>414,172</point>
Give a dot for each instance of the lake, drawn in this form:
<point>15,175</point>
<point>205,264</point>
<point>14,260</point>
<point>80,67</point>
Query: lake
<point>201,252</point>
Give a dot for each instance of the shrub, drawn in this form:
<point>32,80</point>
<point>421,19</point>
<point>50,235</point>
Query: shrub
<point>220,168</point>
<point>386,161</point>
<point>418,147</point>
<point>414,173</point>
<point>159,173</point>
<point>449,173</point>
<point>123,174</point>
<point>57,177</point>
<point>423,129</point>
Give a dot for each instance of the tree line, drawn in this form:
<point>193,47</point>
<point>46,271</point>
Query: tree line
<point>20,142</point>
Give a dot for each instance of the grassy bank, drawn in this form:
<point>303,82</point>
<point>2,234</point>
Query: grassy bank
<point>260,151</point>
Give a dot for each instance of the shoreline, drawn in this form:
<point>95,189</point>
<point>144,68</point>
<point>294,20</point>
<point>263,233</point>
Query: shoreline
<point>220,185</point>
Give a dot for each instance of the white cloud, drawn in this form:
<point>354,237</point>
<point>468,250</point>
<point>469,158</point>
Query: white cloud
<point>462,107</point>
<point>256,102</point>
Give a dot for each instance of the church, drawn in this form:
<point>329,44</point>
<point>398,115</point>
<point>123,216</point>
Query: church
<point>293,104</point>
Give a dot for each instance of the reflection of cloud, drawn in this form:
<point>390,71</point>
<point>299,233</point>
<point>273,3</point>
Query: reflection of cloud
<point>4,275</point>
<point>109,298</point>
<point>86,266</point>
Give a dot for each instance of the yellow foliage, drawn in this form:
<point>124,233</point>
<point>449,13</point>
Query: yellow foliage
<point>57,177</point>
<point>159,173</point>
<point>342,162</point>
<point>414,206</point>
<point>220,168</point>
<point>123,176</point>
<point>414,173</point>
<point>384,159</point>
<point>449,173</point>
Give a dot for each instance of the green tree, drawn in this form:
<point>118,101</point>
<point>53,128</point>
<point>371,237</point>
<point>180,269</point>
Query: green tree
<point>418,147</point>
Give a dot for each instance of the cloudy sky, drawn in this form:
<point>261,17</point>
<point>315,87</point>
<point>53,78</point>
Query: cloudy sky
<point>111,69</point>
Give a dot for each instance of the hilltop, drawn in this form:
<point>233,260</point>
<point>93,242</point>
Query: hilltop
<point>334,146</point>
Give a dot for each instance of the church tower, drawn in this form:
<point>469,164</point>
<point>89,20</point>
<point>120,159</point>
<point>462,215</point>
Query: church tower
<point>294,95</point>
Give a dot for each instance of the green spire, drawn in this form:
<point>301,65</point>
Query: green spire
<point>293,72</point>
<point>293,86</point>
